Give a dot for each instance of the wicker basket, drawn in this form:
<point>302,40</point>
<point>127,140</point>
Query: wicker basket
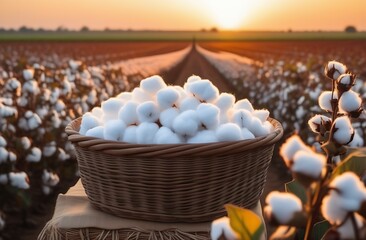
<point>172,182</point>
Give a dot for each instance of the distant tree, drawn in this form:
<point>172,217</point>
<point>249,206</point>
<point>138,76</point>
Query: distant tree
<point>61,29</point>
<point>214,29</point>
<point>84,29</point>
<point>40,30</point>
<point>203,30</point>
<point>350,29</point>
<point>2,30</point>
<point>107,29</point>
<point>25,29</point>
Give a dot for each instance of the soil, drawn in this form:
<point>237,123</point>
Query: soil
<point>193,64</point>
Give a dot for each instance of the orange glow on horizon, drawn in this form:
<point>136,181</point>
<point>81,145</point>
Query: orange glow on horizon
<point>185,15</point>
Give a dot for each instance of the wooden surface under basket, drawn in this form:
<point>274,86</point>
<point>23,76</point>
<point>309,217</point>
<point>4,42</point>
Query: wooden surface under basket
<point>172,182</point>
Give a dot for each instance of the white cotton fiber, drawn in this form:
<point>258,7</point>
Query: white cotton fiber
<point>203,90</point>
<point>262,114</point>
<point>28,74</point>
<point>19,180</point>
<point>225,101</point>
<point>130,134</point>
<point>111,108</point>
<point>87,122</point>
<point>352,190</point>
<point>148,112</point>
<point>97,132</point>
<point>282,206</point>
<point>336,68</point>
<point>243,118</point>
<point>186,123</point>
<point>246,134</point>
<point>12,157</point>
<point>128,113</point>
<point>189,103</point>
<point>166,136</point>
<point>346,231</point>
<point>324,100</point>
<point>145,132</point>
<point>190,80</point>
<point>343,130</point>
<point>152,84</point>
<point>35,155</point>
<point>291,147</point>
<point>332,210</point>
<point>125,96</point>
<point>140,96</point>
<point>49,149</point>
<point>258,128</point>
<point>3,142</point>
<point>316,121</point>
<point>167,117</point>
<point>228,132</point>
<point>205,136</point>
<point>97,112</point>
<point>221,227</point>
<point>208,115</point>
<point>309,163</point>
<point>114,130</point>
<point>350,101</point>
<point>167,97</point>
<point>3,155</point>
<point>244,104</point>
<point>357,141</point>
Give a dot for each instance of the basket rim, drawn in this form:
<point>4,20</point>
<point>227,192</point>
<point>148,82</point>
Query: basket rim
<point>169,150</point>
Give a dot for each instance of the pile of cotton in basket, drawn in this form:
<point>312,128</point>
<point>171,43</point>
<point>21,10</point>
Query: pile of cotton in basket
<point>155,113</point>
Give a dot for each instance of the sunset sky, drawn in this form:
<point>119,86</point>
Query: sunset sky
<point>185,14</point>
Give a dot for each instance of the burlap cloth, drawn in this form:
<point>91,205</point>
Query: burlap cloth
<point>75,218</point>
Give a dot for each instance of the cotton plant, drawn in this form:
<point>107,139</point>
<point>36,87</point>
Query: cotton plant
<point>155,113</point>
<point>327,198</point>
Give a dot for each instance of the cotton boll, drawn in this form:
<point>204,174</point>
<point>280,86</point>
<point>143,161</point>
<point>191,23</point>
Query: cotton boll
<point>347,231</point>
<point>357,141</point>
<point>228,132</point>
<point>243,118</point>
<point>148,112</point>
<point>332,210</point>
<point>128,113</point>
<point>97,132</point>
<point>152,84</point>
<point>145,132</point>
<point>97,112</point>
<point>316,121</point>
<point>262,114</point>
<point>28,74</point>
<point>309,163</point>
<point>258,128</point>
<point>3,142</point>
<point>35,155</point>
<point>282,206</point>
<point>130,135</point>
<point>167,97</point>
<point>62,155</point>
<point>189,103</point>
<point>208,115</point>
<point>246,134</point>
<point>19,180</point>
<point>88,121</point>
<point>125,96</point>
<point>49,149</point>
<point>351,190</point>
<point>343,130</point>
<point>325,99</point>
<point>244,104</point>
<point>111,108</point>
<point>222,226</point>
<point>12,157</point>
<point>3,155</point>
<point>140,96</point>
<point>167,117</point>
<point>334,69</point>
<point>350,101</point>
<point>50,178</point>
<point>114,129</point>
<point>191,80</point>
<point>205,136</point>
<point>225,101</point>
<point>186,123</point>
<point>165,136</point>
<point>203,90</point>
<point>291,147</point>
<point>181,91</point>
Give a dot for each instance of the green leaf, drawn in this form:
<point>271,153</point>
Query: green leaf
<point>320,229</point>
<point>284,233</point>
<point>245,222</point>
<point>355,162</point>
<point>298,189</point>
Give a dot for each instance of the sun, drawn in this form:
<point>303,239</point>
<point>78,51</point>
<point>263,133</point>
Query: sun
<point>228,14</point>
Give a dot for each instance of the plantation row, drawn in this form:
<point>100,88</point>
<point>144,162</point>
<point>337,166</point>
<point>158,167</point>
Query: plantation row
<point>38,101</point>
